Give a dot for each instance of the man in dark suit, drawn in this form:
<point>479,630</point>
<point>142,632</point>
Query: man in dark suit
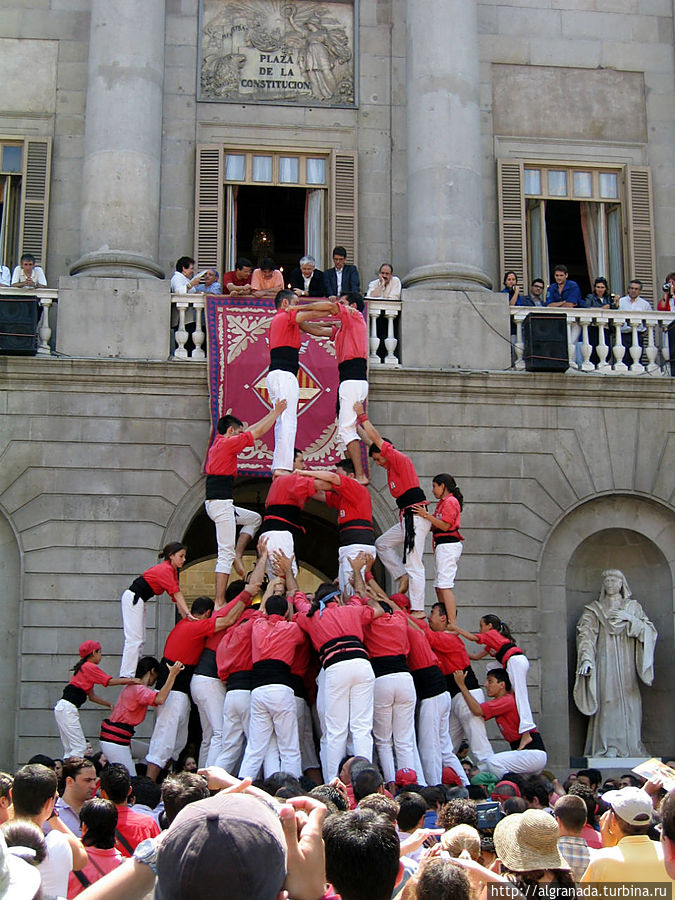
<point>341,279</point>
<point>307,280</point>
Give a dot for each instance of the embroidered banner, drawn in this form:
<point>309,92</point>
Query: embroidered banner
<point>238,345</point>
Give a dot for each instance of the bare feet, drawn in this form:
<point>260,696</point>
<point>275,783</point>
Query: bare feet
<point>402,587</point>
<point>362,479</point>
<point>525,739</point>
<point>238,566</point>
<point>417,614</point>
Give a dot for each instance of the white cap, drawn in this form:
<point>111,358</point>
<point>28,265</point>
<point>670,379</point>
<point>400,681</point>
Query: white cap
<point>631,805</point>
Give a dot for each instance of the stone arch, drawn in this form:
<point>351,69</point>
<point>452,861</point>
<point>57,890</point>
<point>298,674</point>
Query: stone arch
<point>626,531</point>
<point>10,660</point>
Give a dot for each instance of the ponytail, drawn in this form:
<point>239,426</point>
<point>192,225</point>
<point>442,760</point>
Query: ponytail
<point>450,485</point>
<point>78,665</point>
<point>170,549</point>
<point>326,591</point>
<point>498,625</point>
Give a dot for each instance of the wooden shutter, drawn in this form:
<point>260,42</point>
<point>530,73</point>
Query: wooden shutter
<point>640,229</point>
<point>209,211</point>
<point>512,221</point>
<point>344,218</point>
<point>35,198</point>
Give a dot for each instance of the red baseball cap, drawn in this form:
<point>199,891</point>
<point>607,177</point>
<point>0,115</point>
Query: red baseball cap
<point>405,777</point>
<point>87,648</point>
<point>449,776</point>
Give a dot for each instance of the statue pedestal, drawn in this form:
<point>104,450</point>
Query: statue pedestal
<point>615,763</point>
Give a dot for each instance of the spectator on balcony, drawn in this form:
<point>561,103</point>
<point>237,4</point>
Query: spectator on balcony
<point>28,275</point>
<point>211,283</point>
<point>386,286</point>
<point>632,302</point>
<point>184,280</point>
<point>307,280</point>
<point>341,279</point>
<point>536,295</point>
<point>563,293</point>
<point>600,296</point>
<point>667,301</point>
<point>5,278</point>
<point>238,282</point>
<point>267,281</point>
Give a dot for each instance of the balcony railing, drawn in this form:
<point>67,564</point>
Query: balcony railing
<point>647,353</point>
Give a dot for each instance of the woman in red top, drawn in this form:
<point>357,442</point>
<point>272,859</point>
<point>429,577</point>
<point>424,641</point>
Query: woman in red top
<point>446,537</point>
<point>86,673</point>
<point>130,710</point>
<point>152,583</point>
<point>497,640</point>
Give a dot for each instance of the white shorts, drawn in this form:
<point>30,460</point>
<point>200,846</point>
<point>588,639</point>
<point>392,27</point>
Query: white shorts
<point>446,557</point>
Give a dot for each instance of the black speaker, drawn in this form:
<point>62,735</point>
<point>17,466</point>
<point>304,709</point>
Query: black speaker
<point>545,338</point>
<point>671,347</point>
<point>18,326</point>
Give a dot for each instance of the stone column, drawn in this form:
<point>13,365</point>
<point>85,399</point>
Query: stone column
<point>445,238</point>
<point>123,138</point>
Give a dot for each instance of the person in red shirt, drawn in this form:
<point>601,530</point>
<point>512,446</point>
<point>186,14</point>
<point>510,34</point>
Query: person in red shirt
<point>221,470</point>
<point>412,529</point>
<point>282,377</point>
<point>238,282</point>
<point>132,827</point>
<point>86,674</point>
<point>132,705</point>
<point>501,706</point>
<point>446,537</point>
<point>185,643</point>
<point>152,583</point>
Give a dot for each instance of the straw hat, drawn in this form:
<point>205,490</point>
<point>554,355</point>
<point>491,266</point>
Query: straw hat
<point>528,841</point>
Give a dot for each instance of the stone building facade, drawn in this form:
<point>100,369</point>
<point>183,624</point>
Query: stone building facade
<point>456,140</point>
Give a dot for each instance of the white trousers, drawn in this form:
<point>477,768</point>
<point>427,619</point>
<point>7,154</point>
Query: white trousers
<point>346,704</point>
<point>523,762</point>
<point>284,386</point>
<point>394,722</point>
<point>348,393</point>
<point>133,622</point>
<point>517,668</point>
<point>279,540</point>
<point>170,733</point>
<point>68,722</point>
<point>345,571</point>
<point>116,753</point>
<point>273,712</point>
<point>227,517</point>
<point>235,714</point>
<point>434,744</point>
<point>463,724</point>
<point>387,545</point>
<point>446,557</point>
<point>209,695</point>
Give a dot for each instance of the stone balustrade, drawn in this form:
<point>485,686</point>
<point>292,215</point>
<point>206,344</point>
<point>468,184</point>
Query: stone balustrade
<point>195,303</point>
<point>648,352</point>
<point>46,298</point>
<point>387,311</point>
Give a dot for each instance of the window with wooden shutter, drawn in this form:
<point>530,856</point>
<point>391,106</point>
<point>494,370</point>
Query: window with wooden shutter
<point>209,211</point>
<point>344,213</point>
<point>512,233</point>
<point>35,198</point>
<point>640,229</point>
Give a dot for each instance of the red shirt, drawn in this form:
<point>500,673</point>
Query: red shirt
<point>163,577</point>
<point>351,499</point>
<point>505,712</point>
<point>233,278</point>
<point>448,510</point>
<point>388,635</point>
<point>134,827</point>
<point>133,704</point>
<point>213,642</point>
<point>284,330</point>
<point>449,649</point>
<point>186,640</point>
<point>290,490</point>
<point>401,474</point>
<point>420,655</point>
<point>351,341</point>
<point>222,457</point>
<point>273,637</point>
<point>335,621</point>
<point>89,675</point>
<point>494,641</point>
<point>234,654</point>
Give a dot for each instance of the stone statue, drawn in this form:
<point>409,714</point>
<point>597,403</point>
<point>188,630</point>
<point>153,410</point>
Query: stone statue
<point>615,647</point>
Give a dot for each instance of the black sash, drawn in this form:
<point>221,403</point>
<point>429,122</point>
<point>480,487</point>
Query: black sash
<point>339,649</point>
<point>207,664</point>
<point>182,682</point>
<point>471,682</point>
<point>219,487</point>
<point>501,653</point>
<point>140,588</point>
<point>282,517</point>
<point>387,665</point>
<point>271,671</point>
<point>284,359</point>
<point>356,531</point>
<point>74,695</point>
<point>353,370</point>
<point>411,497</point>
<point>240,681</point>
<point>537,742</point>
<point>117,732</point>
<point>429,682</point>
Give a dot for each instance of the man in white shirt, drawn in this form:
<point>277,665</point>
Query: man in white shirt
<point>33,795</point>
<point>4,276</point>
<point>632,302</point>
<point>184,281</point>
<point>28,275</point>
<point>386,286</point>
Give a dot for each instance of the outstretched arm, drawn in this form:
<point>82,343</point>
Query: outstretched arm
<point>369,429</point>
<point>455,629</point>
<point>259,428</point>
<point>471,702</point>
<point>321,475</point>
<point>317,329</point>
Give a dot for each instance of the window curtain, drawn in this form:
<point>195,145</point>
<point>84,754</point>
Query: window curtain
<point>4,207</point>
<point>614,244</point>
<point>590,230</point>
<point>535,222</point>
<point>231,248</point>
<point>314,226</point>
